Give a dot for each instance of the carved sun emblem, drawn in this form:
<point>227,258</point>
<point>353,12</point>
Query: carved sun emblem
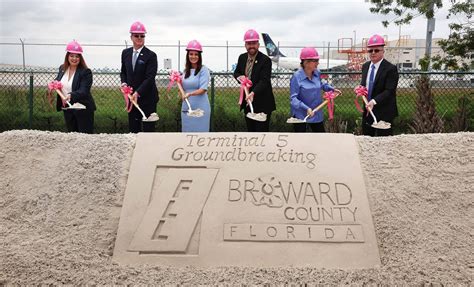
<point>268,188</point>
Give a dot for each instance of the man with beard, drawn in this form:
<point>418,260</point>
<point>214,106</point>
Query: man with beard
<point>258,68</point>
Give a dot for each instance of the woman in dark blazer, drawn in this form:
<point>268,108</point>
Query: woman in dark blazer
<point>76,79</point>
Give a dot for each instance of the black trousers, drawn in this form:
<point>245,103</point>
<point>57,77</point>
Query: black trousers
<point>368,130</point>
<point>135,122</point>
<point>315,127</point>
<point>256,126</point>
<point>81,121</point>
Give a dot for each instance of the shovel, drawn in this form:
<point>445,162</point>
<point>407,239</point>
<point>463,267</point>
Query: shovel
<point>293,120</point>
<point>75,106</point>
<point>192,113</point>
<point>153,116</point>
<point>260,117</point>
<point>377,125</point>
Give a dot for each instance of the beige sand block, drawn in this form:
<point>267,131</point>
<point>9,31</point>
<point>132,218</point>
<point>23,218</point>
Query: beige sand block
<point>241,199</point>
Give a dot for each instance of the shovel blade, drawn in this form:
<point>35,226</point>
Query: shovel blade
<point>77,106</point>
<point>257,117</point>
<point>196,113</point>
<point>381,125</point>
<point>295,121</point>
<point>152,118</point>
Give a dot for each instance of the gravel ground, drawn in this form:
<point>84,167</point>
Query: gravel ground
<point>61,195</point>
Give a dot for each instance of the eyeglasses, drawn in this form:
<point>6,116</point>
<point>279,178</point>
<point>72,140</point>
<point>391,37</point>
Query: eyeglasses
<point>373,51</point>
<point>138,35</point>
<point>313,60</point>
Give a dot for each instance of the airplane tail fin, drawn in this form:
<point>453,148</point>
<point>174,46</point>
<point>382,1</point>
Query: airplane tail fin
<point>272,49</point>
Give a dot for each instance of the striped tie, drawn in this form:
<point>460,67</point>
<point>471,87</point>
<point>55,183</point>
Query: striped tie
<point>248,67</point>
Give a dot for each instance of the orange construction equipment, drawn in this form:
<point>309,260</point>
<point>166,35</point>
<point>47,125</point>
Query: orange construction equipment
<point>356,56</point>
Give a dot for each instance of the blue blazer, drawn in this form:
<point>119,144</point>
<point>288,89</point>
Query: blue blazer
<point>142,80</point>
<point>81,88</point>
<point>384,92</point>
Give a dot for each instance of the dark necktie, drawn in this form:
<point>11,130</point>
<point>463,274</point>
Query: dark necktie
<point>371,81</point>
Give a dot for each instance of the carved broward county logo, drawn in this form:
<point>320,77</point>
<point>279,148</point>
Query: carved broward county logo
<point>246,200</point>
<point>314,211</point>
<point>171,217</point>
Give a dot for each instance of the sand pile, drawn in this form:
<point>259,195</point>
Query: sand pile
<point>61,194</point>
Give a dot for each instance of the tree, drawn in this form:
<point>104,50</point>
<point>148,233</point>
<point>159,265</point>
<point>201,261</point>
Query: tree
<point>460,42</point>
<point>426,119</point>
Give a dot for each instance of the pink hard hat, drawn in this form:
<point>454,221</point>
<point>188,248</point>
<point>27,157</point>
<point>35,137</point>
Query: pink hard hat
<point>194,45</point>
<point>309,53</point>
<point>376,40</point>
<point>251,36</point>
<point>137,28</point>
<point>74,47</point>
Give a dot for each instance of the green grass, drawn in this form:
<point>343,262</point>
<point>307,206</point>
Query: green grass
<point>111,117</point>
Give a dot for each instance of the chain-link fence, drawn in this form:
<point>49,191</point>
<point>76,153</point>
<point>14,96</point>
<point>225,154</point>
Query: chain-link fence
<point>23,102</point>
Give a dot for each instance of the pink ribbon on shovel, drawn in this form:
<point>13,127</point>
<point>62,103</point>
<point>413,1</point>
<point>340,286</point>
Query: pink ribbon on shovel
<point>330,96</point>
<point>56,85</point>
<point>244,83</point>
<point>360,91</point>
<point>175,76</point>
<point>126,91</point>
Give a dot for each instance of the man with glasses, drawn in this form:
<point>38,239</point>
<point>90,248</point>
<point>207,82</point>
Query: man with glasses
<point>258,68</point>
<point>380,77</point>
<point>139,66</point>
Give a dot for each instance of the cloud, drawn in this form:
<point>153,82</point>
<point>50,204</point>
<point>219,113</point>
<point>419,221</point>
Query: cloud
<point>106,22</point>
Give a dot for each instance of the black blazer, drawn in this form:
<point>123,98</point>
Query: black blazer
<point>264,100</point>
<point>142,80</point>
<point>81,88</point>
<point>384,91</point>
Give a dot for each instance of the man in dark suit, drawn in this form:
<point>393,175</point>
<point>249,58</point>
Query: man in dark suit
<point>139,66</point>
<point>258,68</point>
<point>381,79</point>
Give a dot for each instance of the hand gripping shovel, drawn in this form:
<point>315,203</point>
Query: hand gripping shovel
<point>127,94</point>
<point>57,85</point>
<point>377,125</point>
<point>176,77</point>
<point>192,113</point>
<point>245,84</point>
<point>361,91</point>
<point>260,117</point>
<point>324,103</point>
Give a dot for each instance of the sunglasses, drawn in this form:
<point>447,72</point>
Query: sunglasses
<point>314,60</point>
<point>373,51</point>
<point>138,36</point>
